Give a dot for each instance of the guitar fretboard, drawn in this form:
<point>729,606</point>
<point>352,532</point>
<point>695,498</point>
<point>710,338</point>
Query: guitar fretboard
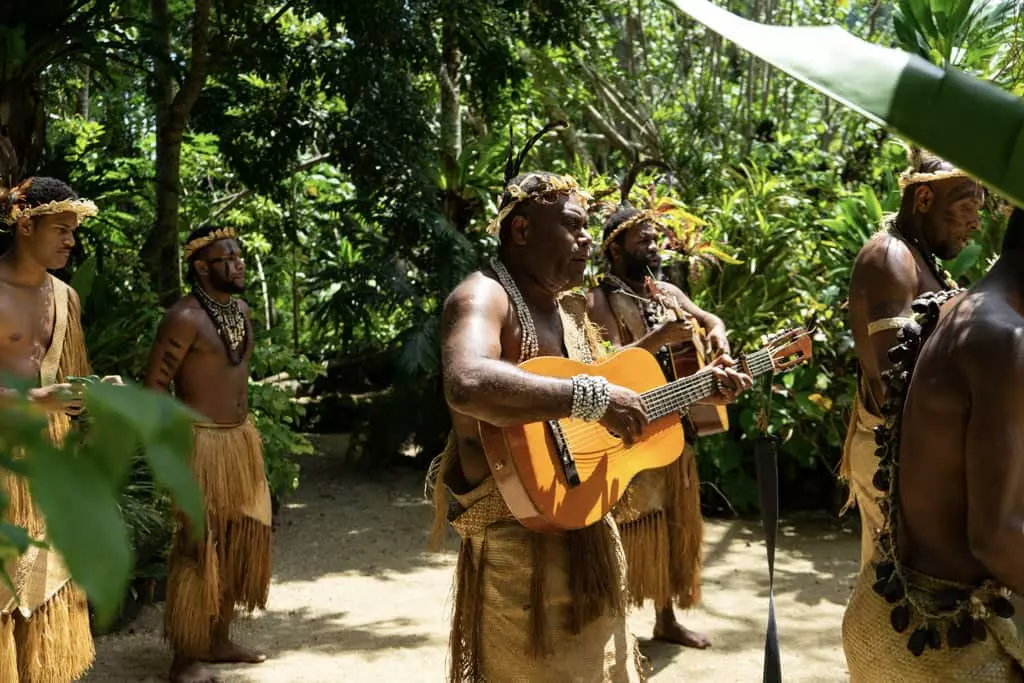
<point>683,393</point>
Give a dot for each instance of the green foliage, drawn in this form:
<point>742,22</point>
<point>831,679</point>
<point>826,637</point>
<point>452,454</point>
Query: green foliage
<point>276,413</point>
<point>957,116</point>
<point>791,272</point>
<point>361,181</point>
<point>76,485</point>
<point>966,34</point>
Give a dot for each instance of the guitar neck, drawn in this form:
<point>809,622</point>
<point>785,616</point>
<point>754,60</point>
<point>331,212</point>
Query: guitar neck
<point>683,393</point>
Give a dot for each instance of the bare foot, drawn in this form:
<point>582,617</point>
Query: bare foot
<point>186,671</point>
<point>674,632</point>
<point>230,653</point>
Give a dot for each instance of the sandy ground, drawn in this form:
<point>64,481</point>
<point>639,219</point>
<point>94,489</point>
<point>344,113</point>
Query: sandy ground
<point>356,597</point>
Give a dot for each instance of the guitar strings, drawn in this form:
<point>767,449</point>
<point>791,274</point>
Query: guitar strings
<point>660,401</point>
<point>663,404</point>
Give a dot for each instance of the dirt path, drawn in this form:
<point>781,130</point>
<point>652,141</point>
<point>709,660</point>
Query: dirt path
<point>356,598</point>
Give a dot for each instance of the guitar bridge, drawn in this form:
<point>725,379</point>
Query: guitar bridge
<point>565,459</point>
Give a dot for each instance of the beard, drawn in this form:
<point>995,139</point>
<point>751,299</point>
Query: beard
<point>231,287</point>
<point>947,251</point>
<point>226,286</point>
<point>639,267</point>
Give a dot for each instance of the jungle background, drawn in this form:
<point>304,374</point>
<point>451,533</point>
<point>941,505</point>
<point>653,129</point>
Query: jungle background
<point>359,146</point>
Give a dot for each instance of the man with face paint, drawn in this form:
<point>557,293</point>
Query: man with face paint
<point>204,347</point>
<point>44,625</point>
<point>659,517</point>
<point>937,217</point>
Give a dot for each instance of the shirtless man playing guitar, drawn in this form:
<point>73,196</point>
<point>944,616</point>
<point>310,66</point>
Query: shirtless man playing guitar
<point>660,514</point>
<point>571,584</point>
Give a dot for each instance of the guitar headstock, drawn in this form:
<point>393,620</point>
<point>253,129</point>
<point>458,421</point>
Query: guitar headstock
<point>788,348</point>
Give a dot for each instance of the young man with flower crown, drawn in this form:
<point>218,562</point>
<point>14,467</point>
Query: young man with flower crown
<point>44,625</point>
<point>659,517</point>
<point>204,347</point>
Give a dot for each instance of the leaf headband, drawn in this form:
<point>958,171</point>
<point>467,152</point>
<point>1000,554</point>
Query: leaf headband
<point>14,206</point>
<point>196,245</point>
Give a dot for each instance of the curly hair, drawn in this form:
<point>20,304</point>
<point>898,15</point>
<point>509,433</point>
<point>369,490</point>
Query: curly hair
<point>34,192</point>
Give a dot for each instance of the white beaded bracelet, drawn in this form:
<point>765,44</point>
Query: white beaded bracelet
<point>590,397</point>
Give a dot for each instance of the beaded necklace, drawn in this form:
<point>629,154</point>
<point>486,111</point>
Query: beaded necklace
<point>654,313</point>
<point>956,612</point>
<point>229,321</point>
<point>529,347</point>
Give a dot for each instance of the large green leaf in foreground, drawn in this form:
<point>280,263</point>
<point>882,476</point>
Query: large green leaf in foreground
<point>77,484</point>
<point>969,122</point>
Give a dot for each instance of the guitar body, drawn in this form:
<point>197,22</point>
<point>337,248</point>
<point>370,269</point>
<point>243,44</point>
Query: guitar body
<point>688,358</point>
<point>529,474</point>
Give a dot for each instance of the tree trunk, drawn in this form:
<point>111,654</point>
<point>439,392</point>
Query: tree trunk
<point>267,310</point>
<point>160,252</point>
<point>83,94</point>
<point>295,302</point>
<point>451,121</point>
<point>22,129</point>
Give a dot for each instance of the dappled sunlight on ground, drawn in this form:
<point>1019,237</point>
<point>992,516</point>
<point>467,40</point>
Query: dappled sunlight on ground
<point>357,597</point>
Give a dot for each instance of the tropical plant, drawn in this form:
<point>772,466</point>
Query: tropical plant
<point>77,484</point>
<point>957,116</point>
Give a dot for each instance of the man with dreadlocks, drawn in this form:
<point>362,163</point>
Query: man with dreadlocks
<point>934,604</point>
<point>44,625</point>
<point>659,517</point>
<point>204,346</point>
<point>936,219</point>
<point>529,606</point>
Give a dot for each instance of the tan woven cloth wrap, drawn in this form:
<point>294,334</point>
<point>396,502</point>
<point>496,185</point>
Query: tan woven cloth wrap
<point>603,652</point>
<point>858,467</point>
<point>500,583</point>
<point>876,653</point>
<point>659,517</point>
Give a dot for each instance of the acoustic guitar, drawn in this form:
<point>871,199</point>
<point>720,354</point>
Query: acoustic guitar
<point>688,358</point>
<point>685,358</point>
<point>567,474</point>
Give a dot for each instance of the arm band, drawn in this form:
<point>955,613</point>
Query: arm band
<point>887,324</point>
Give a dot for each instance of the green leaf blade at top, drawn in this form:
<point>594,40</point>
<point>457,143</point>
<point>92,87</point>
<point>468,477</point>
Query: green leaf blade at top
<point>972,124</point>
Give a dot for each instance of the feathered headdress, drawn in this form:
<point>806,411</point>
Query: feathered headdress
<point>664,213</point>
<point>536,185</point>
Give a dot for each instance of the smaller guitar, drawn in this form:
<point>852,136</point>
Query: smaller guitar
<point>686,358</point>
<point>568,474</point>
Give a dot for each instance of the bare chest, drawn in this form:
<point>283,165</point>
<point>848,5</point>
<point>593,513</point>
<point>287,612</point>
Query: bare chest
<point>546,328</point>
<point>26,327</point>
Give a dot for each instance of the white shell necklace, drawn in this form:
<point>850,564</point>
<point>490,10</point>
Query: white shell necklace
<point>528,345</point>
